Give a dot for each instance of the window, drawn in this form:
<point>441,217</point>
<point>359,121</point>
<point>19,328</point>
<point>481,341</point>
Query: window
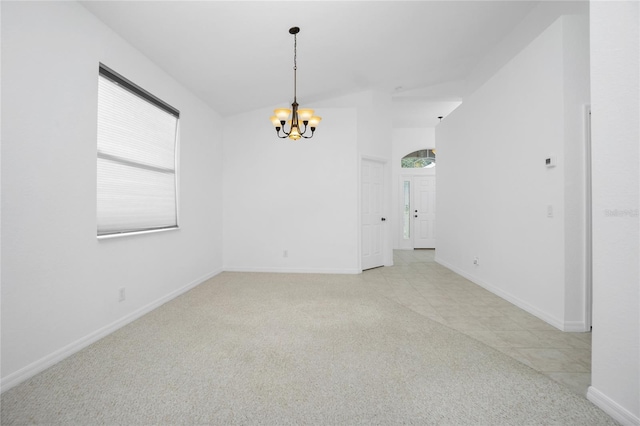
<point>406,212</point>
<point>137,157</point>
<point>422,159</point>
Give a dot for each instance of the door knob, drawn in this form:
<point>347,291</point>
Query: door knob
<point>383,219</point>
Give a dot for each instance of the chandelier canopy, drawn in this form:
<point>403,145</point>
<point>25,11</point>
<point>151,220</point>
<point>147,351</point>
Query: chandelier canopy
<point>299,119</point>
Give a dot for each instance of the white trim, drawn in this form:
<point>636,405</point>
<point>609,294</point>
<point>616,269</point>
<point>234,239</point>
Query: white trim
<point>132,233</point>
<point>576,326</point>
<point>359,210</point>
<point>293,270</point>
<point>612,408</point>
<point>588,282</point>
<point>42,364</point>
<point>176,166</point>
<point>550,319</point>
<point>373,158</point>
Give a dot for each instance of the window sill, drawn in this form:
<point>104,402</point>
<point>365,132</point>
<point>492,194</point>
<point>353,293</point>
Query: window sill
<point>128,234</point>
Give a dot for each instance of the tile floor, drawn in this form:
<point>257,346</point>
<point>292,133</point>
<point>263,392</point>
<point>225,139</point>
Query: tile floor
<point>421,284</point>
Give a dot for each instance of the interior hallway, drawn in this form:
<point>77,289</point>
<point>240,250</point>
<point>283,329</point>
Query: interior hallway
<point>422,285</point>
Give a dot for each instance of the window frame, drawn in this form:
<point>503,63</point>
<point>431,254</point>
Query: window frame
<point>126,84</point>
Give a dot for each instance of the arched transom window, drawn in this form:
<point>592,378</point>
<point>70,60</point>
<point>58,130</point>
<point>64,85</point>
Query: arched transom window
<point>422,159</point>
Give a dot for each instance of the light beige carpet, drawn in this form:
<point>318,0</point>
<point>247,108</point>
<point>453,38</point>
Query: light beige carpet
<point>291,349</point>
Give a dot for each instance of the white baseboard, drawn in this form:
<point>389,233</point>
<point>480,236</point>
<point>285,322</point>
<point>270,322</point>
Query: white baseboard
<point>42,364</point>
<point>576,326</point>
<point>292,270</point>
<point>612,408</point>
<point>544,316</point>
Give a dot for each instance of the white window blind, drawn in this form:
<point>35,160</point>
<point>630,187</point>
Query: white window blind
<point>137,144</point>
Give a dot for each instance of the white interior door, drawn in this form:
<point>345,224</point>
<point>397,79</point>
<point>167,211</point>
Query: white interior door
<point>424,211</point>
<point>372,218</point>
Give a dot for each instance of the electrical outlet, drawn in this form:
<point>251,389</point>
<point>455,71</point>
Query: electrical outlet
<point>122,295</point>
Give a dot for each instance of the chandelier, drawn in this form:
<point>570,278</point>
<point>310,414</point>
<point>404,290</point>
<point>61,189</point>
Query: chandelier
<point>299,120</point>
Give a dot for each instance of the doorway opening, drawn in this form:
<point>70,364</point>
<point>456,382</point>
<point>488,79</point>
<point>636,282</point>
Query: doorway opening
<point>418,200</point>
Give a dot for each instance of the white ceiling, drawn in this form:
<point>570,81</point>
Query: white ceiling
<point>238,55</point>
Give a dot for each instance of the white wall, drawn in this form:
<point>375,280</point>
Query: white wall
<point>576,103</point>
<point>59,283</point>
<point>615,86</point>
<point>494,189</point>
<point>374,136</point>
<point>374,142</point>
<point>299,196</point>
<point>536,21</point>
<point>303,197</point>
<point>406,141</point>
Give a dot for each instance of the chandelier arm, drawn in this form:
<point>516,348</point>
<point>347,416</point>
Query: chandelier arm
<point>312,128</point>
<point>278,133</point>
<point>282,124</point>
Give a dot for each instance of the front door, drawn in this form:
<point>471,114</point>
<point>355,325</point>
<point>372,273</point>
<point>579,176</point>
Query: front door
<point>372,219</point>
<point>424,211</point>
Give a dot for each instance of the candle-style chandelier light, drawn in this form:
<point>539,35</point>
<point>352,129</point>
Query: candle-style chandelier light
<point>299,120</point>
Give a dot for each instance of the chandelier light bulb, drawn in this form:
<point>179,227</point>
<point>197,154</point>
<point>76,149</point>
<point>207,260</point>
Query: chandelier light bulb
<point>294,133</point>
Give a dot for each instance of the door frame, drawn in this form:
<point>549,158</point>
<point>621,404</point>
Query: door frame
<point>588,290</point>
<point>402,243</point>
